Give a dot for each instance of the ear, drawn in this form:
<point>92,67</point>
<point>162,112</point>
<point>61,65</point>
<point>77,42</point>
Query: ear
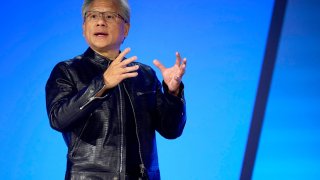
<point>126,29</point>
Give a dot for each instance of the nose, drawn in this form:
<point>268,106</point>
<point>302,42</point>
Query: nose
<point>101,21</point>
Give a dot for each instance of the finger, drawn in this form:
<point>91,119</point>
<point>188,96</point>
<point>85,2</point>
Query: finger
<point>130,69</point>
<point>184,63</point>
<point>159,65</point>
<point>129,75</point>
<point>128,61</point>
<point>182,68</point>
<point>178,58</point>
<point>122,55</point>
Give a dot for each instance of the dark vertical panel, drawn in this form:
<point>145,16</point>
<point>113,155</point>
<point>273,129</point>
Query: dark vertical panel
<point>263,89</point>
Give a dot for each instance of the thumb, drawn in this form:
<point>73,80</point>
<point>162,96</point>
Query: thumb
<point>159,65</point>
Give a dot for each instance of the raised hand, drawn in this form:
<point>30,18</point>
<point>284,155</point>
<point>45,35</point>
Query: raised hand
<point>172,76</point>
<point>118,70</point>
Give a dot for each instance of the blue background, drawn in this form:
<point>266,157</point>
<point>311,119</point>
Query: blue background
<point>224,42</point>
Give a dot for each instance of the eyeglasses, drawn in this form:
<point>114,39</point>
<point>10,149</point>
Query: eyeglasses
<point>107,16</point>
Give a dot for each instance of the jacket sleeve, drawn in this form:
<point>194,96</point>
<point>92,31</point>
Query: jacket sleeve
<point>67,106</point>
<point>171,111</point>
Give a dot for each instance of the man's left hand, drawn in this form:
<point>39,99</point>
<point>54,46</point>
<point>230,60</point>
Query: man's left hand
<point>172,76</point>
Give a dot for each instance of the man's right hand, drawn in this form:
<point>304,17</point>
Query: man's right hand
<point>118,70</point>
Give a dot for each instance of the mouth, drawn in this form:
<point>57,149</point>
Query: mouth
<point>101,34</point>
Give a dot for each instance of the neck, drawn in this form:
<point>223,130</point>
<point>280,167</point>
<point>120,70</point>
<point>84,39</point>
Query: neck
<point>110,54</point>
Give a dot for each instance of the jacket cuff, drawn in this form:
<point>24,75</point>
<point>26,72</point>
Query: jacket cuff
<point>171,96</point>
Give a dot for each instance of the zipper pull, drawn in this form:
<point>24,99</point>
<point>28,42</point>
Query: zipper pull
<point>83,106</point>
<point>142,171</point>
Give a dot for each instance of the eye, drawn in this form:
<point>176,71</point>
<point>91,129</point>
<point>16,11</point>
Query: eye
<point>110,16</point>
<point>93,16</point>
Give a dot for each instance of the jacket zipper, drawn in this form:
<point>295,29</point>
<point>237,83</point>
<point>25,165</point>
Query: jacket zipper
<point>142,167</point>
<point>121,125</point>
<point>92,98</point>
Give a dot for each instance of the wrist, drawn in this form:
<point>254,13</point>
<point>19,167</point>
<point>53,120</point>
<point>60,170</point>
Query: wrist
<point>174,92</point>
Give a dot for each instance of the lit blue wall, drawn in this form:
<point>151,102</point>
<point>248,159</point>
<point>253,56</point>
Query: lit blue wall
<point>290,140</point>
<point>224,42</point>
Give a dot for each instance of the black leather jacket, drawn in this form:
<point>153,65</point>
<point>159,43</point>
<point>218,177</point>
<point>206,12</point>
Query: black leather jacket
<point>93,127</point>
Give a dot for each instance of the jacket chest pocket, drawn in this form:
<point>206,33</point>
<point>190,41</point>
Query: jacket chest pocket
<point>146,99</point>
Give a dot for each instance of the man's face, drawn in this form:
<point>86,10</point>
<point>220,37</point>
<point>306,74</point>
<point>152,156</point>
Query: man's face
<point>101,34</point>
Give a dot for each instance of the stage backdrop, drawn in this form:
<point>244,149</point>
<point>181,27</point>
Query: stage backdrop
<point>224,42</point>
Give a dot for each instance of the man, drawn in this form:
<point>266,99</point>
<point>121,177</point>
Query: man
<point>108,107</point>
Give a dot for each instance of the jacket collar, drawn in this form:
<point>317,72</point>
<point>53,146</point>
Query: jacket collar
<point>96,58</point>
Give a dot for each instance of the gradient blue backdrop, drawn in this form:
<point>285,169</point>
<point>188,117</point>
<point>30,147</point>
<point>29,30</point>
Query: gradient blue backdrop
<point>224,42</point>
